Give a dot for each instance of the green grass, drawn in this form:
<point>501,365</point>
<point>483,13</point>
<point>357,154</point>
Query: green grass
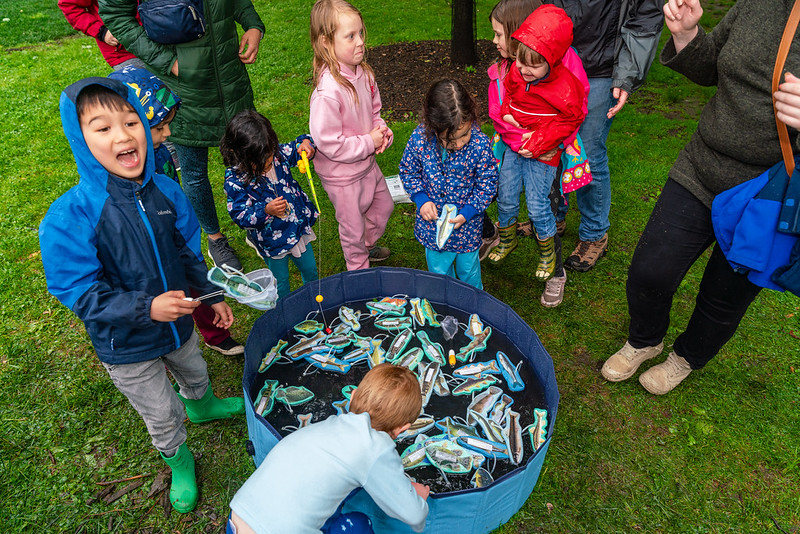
<point>721,453</point>
<point>31,22</point>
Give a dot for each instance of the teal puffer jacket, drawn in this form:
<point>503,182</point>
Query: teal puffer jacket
<point>212,81</point>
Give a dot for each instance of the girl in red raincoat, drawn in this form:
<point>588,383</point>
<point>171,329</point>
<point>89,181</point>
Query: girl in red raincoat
<point>543,96</point>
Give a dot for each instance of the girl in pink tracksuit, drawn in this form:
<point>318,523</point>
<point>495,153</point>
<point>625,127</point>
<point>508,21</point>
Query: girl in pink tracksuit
<point>347,128</point>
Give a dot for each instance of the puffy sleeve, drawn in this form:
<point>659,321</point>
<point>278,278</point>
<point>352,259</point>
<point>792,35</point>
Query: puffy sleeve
<point>120,18</point>
<point>245,14</point>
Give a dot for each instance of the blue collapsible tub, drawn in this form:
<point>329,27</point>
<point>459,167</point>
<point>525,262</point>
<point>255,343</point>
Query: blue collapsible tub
<point>467,511</point>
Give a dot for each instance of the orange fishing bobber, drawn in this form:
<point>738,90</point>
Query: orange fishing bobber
<point>451,357</point>
<point>319,298</point>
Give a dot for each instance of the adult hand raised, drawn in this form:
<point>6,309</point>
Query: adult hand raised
<point>681,18</point>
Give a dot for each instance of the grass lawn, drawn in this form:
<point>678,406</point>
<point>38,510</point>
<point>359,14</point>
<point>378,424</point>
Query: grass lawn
<point>721,453</point>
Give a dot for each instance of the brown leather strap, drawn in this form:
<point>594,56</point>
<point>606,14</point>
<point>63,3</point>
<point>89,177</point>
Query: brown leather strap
<point>783,51</point>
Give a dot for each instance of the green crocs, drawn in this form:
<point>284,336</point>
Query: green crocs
<point>210,407</point>
<point>183,490</point>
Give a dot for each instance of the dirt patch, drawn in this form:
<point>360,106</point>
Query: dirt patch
<point>404,71</point>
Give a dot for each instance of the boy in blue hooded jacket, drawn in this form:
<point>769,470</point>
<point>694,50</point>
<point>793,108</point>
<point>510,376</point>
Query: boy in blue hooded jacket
<point>160,106</point>
<point>122,250</point>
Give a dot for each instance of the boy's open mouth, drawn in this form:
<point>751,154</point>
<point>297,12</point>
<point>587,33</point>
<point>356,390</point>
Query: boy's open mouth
<point>128,158</point>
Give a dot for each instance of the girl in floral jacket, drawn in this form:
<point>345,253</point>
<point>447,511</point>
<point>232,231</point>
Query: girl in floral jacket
<point>264,198</point>
<point>448,160</point>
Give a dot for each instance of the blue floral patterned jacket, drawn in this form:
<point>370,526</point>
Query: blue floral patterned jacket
<point>247,203</point>
<point>466,178</point>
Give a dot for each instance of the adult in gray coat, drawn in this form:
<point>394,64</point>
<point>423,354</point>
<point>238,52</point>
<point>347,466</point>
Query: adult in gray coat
<point>617,41</point>
<point>736,140</point>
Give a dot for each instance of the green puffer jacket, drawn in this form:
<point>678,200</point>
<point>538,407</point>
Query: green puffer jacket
<point>212,81</point>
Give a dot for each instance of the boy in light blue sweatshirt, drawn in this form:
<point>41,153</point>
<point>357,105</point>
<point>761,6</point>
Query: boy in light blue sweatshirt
<point>320,465</point>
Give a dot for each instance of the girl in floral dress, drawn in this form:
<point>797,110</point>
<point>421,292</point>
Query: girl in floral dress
<point>448,160</point>
<point>264,198</point>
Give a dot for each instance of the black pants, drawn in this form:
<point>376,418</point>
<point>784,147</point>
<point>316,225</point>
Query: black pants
<point>678,232</point>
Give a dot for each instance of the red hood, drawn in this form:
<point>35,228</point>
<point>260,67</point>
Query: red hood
<point>548,30</point>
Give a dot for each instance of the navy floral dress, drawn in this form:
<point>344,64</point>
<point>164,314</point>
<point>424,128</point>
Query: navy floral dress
<point>466,178</point>
<point>246,204</point>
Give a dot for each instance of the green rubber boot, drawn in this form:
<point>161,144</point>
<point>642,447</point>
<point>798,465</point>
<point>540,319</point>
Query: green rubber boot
<point>508,242</point>
<point>183,490</point>
<point>547,259</point>
<point>210,407</point>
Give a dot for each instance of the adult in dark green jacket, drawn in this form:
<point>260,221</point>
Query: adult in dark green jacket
<point>210,76</point>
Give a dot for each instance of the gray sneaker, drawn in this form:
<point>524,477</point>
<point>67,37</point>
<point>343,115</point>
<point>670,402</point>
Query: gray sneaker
<point>553,294</point>
<point>664,377</point>
<point>221,253</point>
<point>623,363</point>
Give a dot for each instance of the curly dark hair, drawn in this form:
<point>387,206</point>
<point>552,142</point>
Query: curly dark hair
<point>448,106</point>
<point>248,143</point>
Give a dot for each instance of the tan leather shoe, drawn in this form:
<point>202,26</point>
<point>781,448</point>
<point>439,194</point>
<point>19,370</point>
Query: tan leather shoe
<point>623,363</point>
<point>664,377</point>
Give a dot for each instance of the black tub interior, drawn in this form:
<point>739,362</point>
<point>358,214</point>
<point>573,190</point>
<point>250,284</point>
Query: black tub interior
<point>327,388</point>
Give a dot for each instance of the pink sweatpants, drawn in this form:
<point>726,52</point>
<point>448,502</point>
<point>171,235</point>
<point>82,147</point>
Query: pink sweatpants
<point>362,209</point>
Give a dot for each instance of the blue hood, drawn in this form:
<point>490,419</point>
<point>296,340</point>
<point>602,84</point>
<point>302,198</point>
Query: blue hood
<point>89,169</point>
<point>154,96</point>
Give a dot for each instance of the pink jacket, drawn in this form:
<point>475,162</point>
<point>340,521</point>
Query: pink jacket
<point>510,134</point>
<point>340,127</point>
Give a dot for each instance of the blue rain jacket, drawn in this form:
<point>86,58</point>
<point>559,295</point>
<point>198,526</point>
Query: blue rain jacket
<point>750,231</point>
<point>110,245</point>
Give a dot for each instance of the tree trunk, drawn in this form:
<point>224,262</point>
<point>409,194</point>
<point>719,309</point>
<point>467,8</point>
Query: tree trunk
<point>463,50</point>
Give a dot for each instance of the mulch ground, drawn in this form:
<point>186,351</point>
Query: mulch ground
<point>404,71</point>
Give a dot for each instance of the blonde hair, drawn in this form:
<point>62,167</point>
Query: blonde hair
<point>391,396</point>
<point>324,23</point>
<point>528,56</point>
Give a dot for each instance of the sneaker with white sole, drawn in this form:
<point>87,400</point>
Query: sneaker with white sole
<point>221,253</point>
<point>623,363</point>
<point>553,293</point>
<point>228,347</point>
<point>664,377</point>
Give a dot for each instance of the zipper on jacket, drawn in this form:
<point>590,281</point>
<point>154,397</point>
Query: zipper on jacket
<point>198,18</point>
<point>151,234</point>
